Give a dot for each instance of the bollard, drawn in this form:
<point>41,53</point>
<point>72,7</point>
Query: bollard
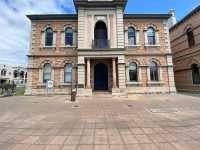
<point>73,95</point>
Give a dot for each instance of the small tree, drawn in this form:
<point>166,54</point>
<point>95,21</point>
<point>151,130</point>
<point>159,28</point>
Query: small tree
<point>8,89</point>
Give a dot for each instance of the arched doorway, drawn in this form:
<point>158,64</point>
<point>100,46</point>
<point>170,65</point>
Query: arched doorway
<point>100,77</point>
<point>100,35</point>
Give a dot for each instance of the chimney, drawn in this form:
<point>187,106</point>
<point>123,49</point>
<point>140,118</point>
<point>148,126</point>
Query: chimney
<point>172,20</point>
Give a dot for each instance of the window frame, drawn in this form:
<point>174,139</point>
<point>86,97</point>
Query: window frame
<point>135,77</point>
<point>190,37</point>
<point>3,72</point>
<point>68,73</point>
<point>132,36</point>
<point>49,37</point>
<point>151,36</point>
<point>15,73</point>
<point>154,72</point>
<point>69,36</point>
<point>195,78</point>
<point>47,73</point>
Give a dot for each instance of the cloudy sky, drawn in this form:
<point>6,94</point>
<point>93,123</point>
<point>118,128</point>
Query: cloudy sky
<point>15,27</point>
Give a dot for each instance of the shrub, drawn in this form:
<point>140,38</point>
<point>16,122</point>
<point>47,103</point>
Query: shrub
<point>8,89</point>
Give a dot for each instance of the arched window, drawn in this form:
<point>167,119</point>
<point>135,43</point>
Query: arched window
<point>154,71</point>
<point>151,36</point>
<point>68,73</point>
<point>131,36</point>
<point>100,35</point>
<point>133,72</point>
<point>47,72</point>
<point>190,37</point>
<point>3,72</point>
<point>195,74</point>
<point>49,37</point>
<point>69,36</point>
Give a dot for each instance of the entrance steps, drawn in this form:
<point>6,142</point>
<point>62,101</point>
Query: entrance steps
<point>102,95</point>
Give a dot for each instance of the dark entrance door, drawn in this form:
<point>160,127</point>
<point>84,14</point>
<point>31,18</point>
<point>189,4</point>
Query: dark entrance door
<point>100,77</point>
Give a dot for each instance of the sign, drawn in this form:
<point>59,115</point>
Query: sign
<point>49,84</point>
<point>101,18</point>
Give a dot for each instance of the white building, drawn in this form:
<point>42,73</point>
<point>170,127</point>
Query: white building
<point>13,73</point>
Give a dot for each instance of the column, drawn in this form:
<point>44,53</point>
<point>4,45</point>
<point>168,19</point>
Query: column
<point>88,74</point>
<point>114,73</point>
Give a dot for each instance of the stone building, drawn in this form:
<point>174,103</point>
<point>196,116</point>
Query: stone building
<point>185,43</point>
<point>100,48</point>
<point>13,73</point>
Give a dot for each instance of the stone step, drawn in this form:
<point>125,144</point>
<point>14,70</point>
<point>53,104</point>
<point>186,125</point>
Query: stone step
<point>102,94</point>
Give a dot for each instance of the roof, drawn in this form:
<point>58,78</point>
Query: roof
<point>147,16</point>
<point>103,4</point>
<point>186,17</point>
<point>53,16</point>
<point>75,16</point>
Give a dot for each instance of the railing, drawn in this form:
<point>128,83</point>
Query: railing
<point>100,43</point>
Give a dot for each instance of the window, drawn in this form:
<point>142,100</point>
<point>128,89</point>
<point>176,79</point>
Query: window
<point>3,72</point>
<point>154,71</point>
<point>22,74</point>
<point>68,36</point>
<point>133,72</point>
<point>15,73</point>
<point>47,72</point>
<point>151,36</point>
<point>68,73</point>
<point>100,35</point>
<point>131,36</point>
<point>195,74</point>
<point>190,37</point>
<point>49,37</point>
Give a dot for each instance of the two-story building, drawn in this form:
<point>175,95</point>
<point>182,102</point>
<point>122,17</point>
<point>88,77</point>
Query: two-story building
<point>16,74</point>
<point>185,42</point>
<point>100,48</point>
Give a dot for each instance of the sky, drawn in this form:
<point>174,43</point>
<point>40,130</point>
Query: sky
<point>15,27</point>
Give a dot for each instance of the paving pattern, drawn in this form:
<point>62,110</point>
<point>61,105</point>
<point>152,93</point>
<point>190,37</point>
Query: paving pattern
<point>151,122</point>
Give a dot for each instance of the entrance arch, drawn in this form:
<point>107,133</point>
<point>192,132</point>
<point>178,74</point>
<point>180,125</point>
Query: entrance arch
<point>100,35</point>
<point>100,77</point>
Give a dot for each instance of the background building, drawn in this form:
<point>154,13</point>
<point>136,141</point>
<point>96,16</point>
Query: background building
<point>100,49</point>
<point>13,73</point>
<point>185,43</point>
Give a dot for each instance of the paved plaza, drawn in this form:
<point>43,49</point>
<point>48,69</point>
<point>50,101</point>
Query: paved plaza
<point>150,122</point>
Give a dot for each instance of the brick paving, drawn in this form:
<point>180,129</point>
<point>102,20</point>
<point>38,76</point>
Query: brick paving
<point>48,123</point>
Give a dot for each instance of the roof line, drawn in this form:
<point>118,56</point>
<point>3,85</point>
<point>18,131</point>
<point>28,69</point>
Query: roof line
<point>186,17</point>
<point>75,16</point>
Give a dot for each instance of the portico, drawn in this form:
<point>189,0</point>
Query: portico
<point>100,74</point>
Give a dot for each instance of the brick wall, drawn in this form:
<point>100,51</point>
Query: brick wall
<point>58,56</point>
<point>183,55</point>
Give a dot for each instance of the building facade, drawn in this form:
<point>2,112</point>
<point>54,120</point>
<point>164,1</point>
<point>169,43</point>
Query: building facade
<point>100,49</point>
<point>16,74</point>
<point>185,42</point>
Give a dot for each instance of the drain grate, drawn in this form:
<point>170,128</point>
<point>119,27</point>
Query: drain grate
<point>75,106</point>
<point>163,110</point>
<point>129,105</point>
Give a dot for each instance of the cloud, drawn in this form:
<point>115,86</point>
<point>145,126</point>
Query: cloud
<point>15,27</point>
